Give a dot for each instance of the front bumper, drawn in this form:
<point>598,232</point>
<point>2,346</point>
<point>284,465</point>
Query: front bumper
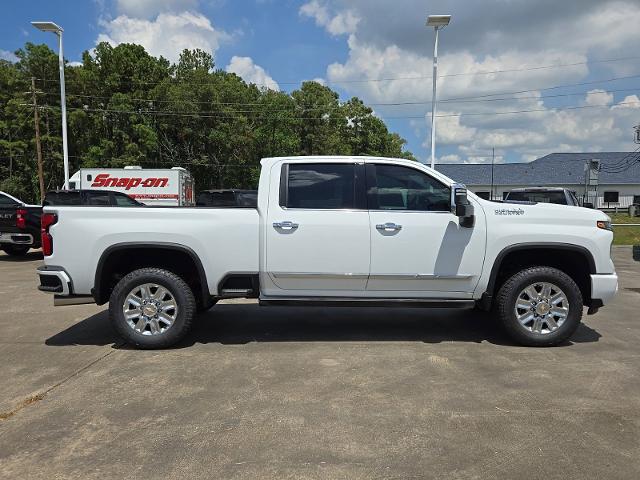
<point>604,287</point>
<point>16,238</point>
<point>55,280</point>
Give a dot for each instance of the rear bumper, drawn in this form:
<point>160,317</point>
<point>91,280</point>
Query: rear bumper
<point>16,238</point>
<point>604,287</point>
<point>55,280</point>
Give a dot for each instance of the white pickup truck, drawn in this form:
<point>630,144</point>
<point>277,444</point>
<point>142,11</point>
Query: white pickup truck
<point>334,231</point>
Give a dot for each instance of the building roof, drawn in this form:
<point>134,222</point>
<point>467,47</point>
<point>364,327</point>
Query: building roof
<point>552,169</point>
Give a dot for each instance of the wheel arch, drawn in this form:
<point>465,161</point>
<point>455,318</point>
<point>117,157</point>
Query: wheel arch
<point>105,268</point>
<point>563,256</point>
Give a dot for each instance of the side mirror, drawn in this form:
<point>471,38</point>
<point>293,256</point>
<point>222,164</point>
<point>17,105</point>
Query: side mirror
<point>460,205</point>
<point>587,205</point>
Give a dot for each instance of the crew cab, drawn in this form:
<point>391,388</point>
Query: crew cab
<point>361,231</point>
<point>19,225</point>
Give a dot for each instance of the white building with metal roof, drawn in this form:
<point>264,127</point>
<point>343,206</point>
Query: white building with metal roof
<point>618,176</point>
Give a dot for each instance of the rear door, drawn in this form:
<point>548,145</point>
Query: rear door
<point>418,248</point>
<point>317,230</point>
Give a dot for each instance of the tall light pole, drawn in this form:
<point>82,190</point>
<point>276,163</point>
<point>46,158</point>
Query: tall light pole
<point>437,22</point>
<point>52,27</point>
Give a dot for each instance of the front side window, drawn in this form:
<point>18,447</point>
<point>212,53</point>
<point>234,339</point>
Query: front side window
<point>320,186</point>
<point>392,187</point>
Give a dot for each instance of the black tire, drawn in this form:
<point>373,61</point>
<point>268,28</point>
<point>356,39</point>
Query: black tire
<point>508,295</point>
<point>178,289</point>
<point>16,250</point>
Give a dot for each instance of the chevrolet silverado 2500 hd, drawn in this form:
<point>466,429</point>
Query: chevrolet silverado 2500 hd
<point>335,231</point>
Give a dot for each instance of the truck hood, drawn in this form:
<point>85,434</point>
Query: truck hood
<point>553,213</point>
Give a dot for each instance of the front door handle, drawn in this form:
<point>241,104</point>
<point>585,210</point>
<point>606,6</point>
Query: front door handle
<point>389,227</point>
<point>285,225</point>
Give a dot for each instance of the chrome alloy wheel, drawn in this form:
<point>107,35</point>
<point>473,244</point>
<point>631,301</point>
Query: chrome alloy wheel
<point>542,308</point>
<point>150,309</point>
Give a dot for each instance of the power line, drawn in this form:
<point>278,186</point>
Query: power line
<point>377,104</point>
<point>221,115</point>
<point>416,77</point>
<point>485,72</point>
<point>623,164</point>
<point>591,82</point>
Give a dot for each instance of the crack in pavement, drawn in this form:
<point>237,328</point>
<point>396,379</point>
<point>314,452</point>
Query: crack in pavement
<point>39,396</point>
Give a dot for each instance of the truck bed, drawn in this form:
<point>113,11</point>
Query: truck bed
<point>224,239</point>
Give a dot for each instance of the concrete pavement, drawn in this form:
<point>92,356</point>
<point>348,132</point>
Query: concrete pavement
<point>315,393</point>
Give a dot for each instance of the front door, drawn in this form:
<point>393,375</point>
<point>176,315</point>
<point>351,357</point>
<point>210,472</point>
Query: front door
<point>317,231</point>
<point>418,248</point>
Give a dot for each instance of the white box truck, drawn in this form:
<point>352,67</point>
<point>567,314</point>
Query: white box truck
<point>152,186</point>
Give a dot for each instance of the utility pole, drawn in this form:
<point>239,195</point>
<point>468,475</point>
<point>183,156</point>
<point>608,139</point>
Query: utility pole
<point>36,121</point>
<point>493,161</point>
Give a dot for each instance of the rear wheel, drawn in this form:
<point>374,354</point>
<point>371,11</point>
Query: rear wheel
<point>152,308</point>
<point>540,306</point>
<point>16,250</point>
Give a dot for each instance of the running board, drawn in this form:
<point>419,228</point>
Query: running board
<point>365,302</point>
<point>62,300</point>
<point>237,293</point>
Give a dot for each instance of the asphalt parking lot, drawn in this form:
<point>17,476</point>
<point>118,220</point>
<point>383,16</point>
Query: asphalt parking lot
<point>315,393</point>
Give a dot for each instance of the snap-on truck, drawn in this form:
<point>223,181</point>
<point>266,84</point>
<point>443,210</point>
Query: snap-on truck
<point>152,186</point>
<point>347,231</point>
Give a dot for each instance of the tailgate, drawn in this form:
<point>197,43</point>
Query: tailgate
<point>8,219</point>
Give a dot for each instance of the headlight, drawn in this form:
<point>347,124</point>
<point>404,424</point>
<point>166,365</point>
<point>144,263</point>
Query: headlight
<point>604,225</point>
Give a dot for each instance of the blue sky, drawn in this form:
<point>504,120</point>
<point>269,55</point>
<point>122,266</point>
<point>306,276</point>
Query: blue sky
<point>356,46</point>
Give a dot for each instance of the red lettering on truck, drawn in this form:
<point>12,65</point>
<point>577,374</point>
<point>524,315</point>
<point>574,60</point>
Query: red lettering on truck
<point>104,180</point>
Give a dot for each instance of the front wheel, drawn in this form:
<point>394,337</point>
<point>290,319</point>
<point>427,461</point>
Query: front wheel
<point>540,306</point>
<point>16,250</point>
<point>152,308</point>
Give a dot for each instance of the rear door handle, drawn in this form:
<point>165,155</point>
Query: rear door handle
<point>389,227</point>
<point>285,225</point>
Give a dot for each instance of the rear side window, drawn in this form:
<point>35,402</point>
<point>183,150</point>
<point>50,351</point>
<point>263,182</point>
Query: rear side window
<point>392,187</point>
<point>6,201</point>
<point>62,198</point>
<point>320,186</point>
<point>101,198</point>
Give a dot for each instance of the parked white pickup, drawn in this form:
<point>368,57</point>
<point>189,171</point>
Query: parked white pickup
<point>335,230</point>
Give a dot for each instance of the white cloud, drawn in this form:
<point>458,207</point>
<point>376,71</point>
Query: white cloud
<point>451,158</point>
<point>245,68</point>
<point>390,43</point>
<point>341,23</point>
<point>151,8</point>
<point>8,56</point>
<point>599,97</point>
<point>167,35</point>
